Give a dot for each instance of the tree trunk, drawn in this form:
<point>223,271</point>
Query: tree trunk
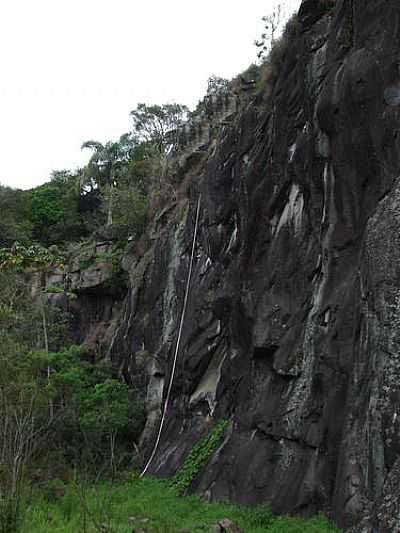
<point>110,205</point>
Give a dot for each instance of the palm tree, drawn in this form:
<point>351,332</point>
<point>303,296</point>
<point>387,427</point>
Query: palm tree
<point>102,169</point>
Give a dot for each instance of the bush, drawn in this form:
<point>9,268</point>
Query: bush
<point>129,212</point>
<point>14,221</point>
<point>54,210</point>
<point>97,423</point>
<point>71,412</point>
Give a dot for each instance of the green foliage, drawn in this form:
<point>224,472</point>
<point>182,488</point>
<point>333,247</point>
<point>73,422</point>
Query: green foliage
<point>54,210</point>
<point>53,489</point>
<point>106,409</point>
<point>21,317</point>
<point>89,418</point>
<point>14,221</point>
<point>55,288</point>
<point>86,262</point>
<point>107,159</point>
<point>82,409</point>
<point>113,189</point>
<point>258,515</point>
<point>94,407</point>
<point>152,506</point>
<point>154,124</point>
<point>286,524</point>
<point>252,73</point>
<point>10,514</point>
<point>197,458</point>
<point>107,169</point>
<point>32,256</point>
<point>130,211</point>
<point>116,277</point>
<point>100,172</point>
<point>144,164</point>
<point>59,288</point>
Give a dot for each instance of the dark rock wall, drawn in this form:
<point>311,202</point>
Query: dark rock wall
<point>293,320</point>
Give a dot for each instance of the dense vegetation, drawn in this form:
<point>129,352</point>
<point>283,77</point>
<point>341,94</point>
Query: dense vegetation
<point>62,415</point>
<point>113,189</point>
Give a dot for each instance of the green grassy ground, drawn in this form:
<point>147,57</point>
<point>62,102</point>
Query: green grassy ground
<point>152,506</point>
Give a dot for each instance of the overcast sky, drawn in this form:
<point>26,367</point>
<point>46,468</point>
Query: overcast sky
<point>72,70</point>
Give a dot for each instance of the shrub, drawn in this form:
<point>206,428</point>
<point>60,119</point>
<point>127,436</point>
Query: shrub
<point>130,210</point>
<point>97,422</point>
<point>59,409</point>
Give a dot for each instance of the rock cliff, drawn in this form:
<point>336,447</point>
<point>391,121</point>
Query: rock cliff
<point>292,330</point>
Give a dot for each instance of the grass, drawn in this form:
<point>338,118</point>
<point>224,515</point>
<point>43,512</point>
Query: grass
<point>154,507</point>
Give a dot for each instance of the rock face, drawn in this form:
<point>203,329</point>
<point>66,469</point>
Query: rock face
<point>292,328</point>
<point>90,287</point>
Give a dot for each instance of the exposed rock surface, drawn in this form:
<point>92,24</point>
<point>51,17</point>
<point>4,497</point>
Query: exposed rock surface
<point>293,322</point>
<point>226,525</point>
<point>91,287</point>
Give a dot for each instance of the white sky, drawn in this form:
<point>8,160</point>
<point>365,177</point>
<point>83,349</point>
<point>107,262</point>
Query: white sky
<point>72,70</point>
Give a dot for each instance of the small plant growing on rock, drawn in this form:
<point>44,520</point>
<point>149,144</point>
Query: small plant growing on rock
<point>272,61</point>
<point>200,454</point>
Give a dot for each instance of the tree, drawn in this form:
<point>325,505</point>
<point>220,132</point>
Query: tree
<point>54,209</point>
<point>130,211</point>
<point>157,125</point>
<point>144,164</point>
<point>103,168</point>
<point>14,221</point>
<point>272,26</point>
<point>25,426</point>
<point>106,412</point>
<point>25,404</point>
<point>252,73</point>
<point>96,421</point>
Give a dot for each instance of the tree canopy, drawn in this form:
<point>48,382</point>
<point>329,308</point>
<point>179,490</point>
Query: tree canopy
<point>113,188</point>
<point>154,124</point>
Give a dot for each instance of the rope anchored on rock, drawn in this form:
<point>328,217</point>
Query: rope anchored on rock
<point>178,341</point>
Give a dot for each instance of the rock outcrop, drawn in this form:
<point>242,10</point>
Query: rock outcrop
<point>91,287</point>
<point>292,330</point>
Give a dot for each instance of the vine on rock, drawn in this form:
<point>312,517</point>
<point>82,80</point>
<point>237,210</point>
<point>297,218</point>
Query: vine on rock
<point>200,454</point>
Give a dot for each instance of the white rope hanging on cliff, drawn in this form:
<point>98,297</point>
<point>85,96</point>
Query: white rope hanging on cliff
<point>178,342</point>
